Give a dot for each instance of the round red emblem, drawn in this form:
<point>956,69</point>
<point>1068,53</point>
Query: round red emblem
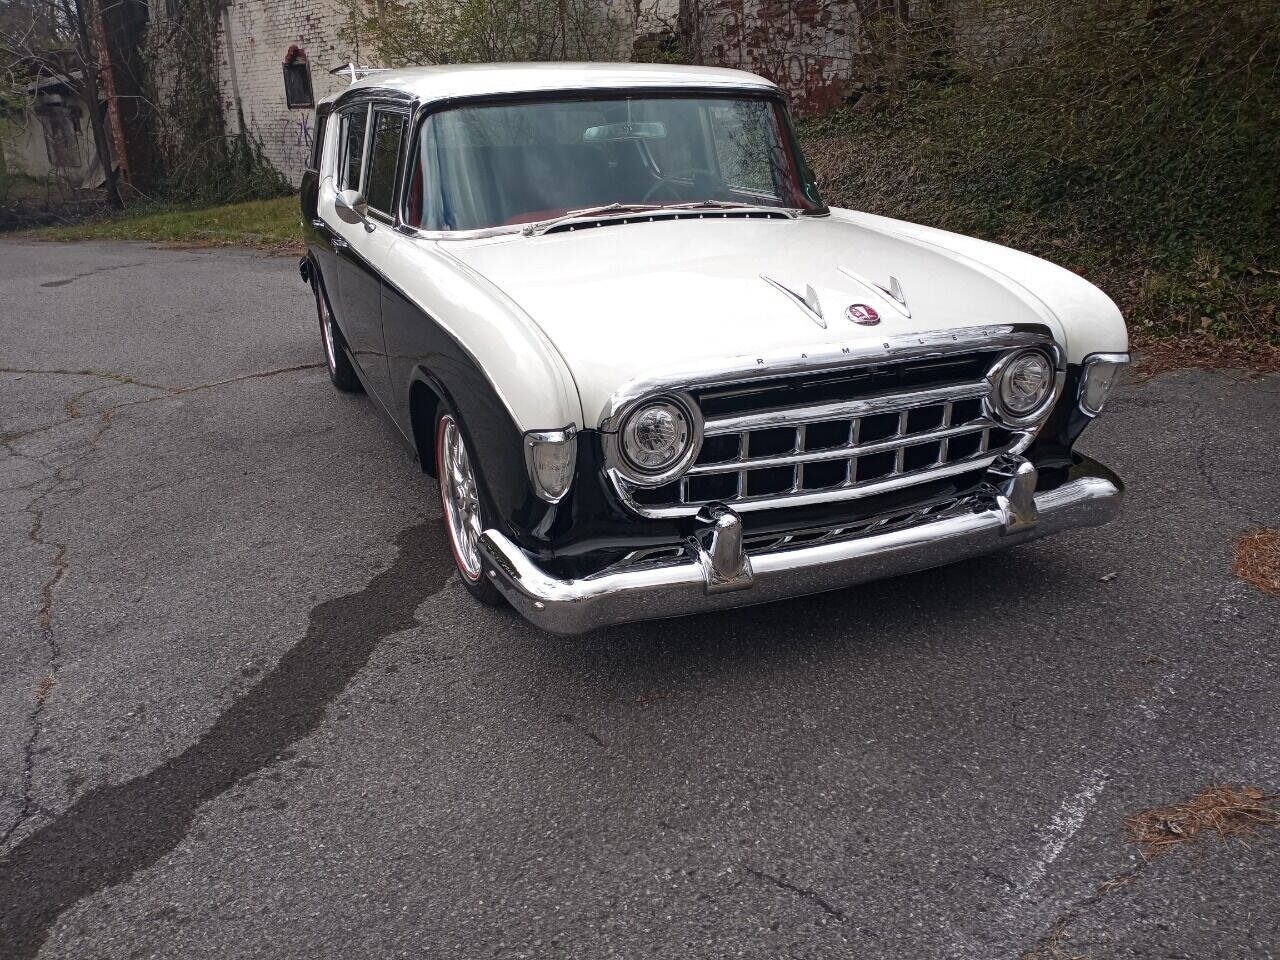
<point>861,313</point>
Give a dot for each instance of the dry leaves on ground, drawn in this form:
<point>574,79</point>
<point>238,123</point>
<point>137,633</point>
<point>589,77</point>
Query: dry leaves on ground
<point>1230,812</point>
<point>1152,357</point>
<point>1258,559</point>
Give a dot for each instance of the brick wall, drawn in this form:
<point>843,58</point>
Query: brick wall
<point>811,48</point>
<point>801,45</point>
<point>262,31</point>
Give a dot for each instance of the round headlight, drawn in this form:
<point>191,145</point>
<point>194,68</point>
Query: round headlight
<point>1025,383</point>
<point>656,436</point>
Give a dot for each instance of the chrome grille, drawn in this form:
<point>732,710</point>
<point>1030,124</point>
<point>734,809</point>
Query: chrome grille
<point>797,455</point>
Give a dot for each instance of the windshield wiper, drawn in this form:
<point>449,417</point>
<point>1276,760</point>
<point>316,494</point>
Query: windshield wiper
<point>542,226</point>
<point>708,205</point>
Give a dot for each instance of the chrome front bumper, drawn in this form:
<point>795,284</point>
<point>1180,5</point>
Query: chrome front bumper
<point>723,575</point>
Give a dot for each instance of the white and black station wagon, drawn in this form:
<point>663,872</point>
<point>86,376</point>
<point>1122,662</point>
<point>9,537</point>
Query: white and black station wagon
<point>655,374</point>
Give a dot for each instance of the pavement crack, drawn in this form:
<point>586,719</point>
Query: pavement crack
<point>86,372</point>
<point>257,375</point>
<point>56,482</point>
<point>115,830</point>
<point>1049,946</point>
<point>803,892</point>
<point>58,565</point>
<point>1204,467</point>
<point>72,406</point>
<point>166,392</point>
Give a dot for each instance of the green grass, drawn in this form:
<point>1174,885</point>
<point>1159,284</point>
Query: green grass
<point>268,224</point>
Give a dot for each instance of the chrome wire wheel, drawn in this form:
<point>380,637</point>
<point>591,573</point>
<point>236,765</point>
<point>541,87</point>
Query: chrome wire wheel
<point>460,497</point>
<point>326,333</point>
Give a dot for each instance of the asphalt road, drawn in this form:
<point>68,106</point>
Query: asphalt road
<point>247,710</point>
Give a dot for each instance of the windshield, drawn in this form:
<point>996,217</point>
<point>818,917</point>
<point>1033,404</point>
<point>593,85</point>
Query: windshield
<point>502,164</point>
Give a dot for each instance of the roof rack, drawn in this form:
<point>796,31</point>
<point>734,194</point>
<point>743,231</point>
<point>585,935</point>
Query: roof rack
<point>357,73</point>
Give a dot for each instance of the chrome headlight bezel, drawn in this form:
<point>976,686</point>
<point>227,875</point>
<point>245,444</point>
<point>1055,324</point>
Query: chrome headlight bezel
<point>633,473</point>
<point>995,405</point>
<point>1093,367</point>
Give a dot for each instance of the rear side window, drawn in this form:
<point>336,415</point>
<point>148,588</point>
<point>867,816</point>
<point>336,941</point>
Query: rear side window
<point>351,146</point>
<point>384,157</point>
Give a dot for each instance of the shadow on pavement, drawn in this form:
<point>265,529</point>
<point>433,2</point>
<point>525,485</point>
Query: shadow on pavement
<point>113,831</point>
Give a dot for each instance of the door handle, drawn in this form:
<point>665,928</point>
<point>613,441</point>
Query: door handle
<point>339,243</point>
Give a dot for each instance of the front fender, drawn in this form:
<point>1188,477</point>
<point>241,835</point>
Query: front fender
<point>1090,320</point>
<point>523,368</point>
<point>448,340</point>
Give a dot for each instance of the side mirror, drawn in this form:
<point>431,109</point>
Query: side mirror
<point>351,209</point>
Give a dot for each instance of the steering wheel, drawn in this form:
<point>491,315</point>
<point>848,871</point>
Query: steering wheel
<point>666,182</point>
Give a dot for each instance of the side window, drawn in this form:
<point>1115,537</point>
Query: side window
<point>351,148</point>
<point>317,146</point>
<point>388,134</point>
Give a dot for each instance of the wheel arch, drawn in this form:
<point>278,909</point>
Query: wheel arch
<point>425,395</point>
<point>315,277</point>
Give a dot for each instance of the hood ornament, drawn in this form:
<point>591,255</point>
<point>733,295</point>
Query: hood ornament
<point>892,294</point>
<point>809,303</point>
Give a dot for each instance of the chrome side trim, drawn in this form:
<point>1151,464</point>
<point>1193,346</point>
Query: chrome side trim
<point>1090,496</point>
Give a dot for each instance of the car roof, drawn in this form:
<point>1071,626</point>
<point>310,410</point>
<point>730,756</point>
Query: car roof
<point>427,84</point>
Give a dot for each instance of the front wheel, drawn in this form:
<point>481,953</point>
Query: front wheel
<point>463,513</point>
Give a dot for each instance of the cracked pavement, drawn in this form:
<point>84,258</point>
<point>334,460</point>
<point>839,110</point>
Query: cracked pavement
<point>247,709</point>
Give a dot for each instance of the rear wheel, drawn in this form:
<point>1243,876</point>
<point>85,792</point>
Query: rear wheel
<point>463,512</point>
<point>341,372</point>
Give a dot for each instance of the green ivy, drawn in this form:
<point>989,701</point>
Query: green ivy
<point>202,163</point>
<point>1140,148</point>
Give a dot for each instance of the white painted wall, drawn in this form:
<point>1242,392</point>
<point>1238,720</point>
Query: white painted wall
<point>23,141</point>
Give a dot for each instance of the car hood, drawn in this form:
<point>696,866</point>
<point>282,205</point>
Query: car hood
<point>633,300</point>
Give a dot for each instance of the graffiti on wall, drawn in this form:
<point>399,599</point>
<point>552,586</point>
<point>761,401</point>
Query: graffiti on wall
<point>288,141</point>
<point>803,46</point>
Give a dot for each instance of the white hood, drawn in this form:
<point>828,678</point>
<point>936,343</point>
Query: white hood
<point>631,300</point>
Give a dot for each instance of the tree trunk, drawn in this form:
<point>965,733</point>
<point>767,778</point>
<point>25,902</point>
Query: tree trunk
<point>89,94</point>
<point>689,30</point>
